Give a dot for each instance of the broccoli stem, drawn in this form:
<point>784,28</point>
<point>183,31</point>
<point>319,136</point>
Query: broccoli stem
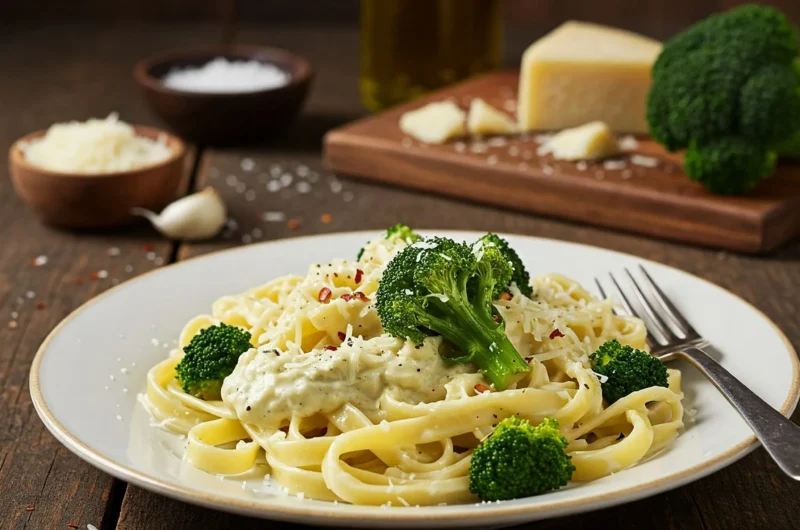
<point>481,338</point>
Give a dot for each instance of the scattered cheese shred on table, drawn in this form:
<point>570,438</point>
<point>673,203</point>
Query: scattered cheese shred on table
<point>94,146</point>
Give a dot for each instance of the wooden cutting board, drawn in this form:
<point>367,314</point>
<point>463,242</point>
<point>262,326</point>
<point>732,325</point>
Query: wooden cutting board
<point>506,171</point>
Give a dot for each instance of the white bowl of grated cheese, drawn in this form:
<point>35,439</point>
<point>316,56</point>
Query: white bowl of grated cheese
<point>89,175</point>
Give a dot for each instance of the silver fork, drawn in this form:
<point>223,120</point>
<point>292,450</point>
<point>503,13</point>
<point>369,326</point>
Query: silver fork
<point>671,336</point>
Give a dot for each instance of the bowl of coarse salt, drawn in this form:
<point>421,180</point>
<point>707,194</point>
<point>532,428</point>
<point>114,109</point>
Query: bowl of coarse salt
<point>216,96</point>
<point>94,174</point>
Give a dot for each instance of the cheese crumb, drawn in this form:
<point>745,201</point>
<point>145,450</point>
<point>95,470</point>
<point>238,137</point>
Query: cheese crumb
<point>435,123</point>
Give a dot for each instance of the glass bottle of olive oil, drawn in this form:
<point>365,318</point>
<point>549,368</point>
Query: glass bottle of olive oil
<point>409,47</point>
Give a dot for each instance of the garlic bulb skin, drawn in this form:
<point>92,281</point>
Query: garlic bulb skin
<point>198,216</point>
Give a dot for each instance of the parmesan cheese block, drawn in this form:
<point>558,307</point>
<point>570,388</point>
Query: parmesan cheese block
<point>434,123</point>
<point>584,72</point>
<point>592,141</point>
<point>485,119</point>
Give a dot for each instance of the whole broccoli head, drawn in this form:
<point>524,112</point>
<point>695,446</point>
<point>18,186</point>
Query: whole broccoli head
<point>440,287</point>
<point>627,370</point>
<point>520,275</point>
<point>209,358</point>
<point>398,231</point>
<point>731,80</point>
<point>520,460</point>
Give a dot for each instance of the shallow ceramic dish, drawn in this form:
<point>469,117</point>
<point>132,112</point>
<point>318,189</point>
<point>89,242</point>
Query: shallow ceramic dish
<point>101,200</point>
<point>106,347</point>
<point>225,118</point>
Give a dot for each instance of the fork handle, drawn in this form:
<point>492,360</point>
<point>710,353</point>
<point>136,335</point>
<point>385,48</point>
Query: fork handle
<point>778,434</point>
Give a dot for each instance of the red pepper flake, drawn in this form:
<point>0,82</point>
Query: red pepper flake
<point>30,508</point>
<point>73,525</point>
<point>482,388</point>
<point>528,359</point>
<point>293,224</point>
<point>497,318</point>
<point>556,333</point>
<point>40,306</point>
<point>148,247</point>
<point>331,348</point>
<point>324,295</point>
<point>346,297</point>
<point>78,281</point>
<point>361,296</point>
<point>505,296</point>
<point>341,335</point>
<point>93,276</point>
<point>359,275</point>
<point>326,218</point>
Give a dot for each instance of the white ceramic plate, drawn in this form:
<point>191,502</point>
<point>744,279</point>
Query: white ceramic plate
<point>86,376</point>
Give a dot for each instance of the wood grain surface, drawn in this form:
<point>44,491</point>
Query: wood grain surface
<point>36,471</point>
<point>507,172</point>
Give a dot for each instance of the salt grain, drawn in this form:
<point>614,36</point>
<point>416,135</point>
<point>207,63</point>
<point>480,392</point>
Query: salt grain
<point>151,256</point>
<point>513,150</point>
<point>286,179</point>
<point>119,418</point>
<point>547,170</point>
<point>612,165</point>
<point>257,233</point>
<point>478,148</point>
<point>510,105</point>
<point>347,196</point>
<point>123,371</point>
<point>491,160</point>
<point>460,147</point>
<point>231,180</point>
<point>250,195</point>
<point>112,377</point>
<point>628,143</point>
<point>114,251</point>
<point>336,186</point>
<point>246,238</point>
<point>644,161</point>
<point>14,315</point>
<point>497,142</point>
<point>39,261</point>
<point>30,295</point>
<point>302,171</point>
<point>581,166</point>
<point>247,164</point>
<point>128,269</point>
<point>241,187</point>
<point>303,187</point>
<point>102,274</point>
<point>273,186</point>
<point>274,217</point>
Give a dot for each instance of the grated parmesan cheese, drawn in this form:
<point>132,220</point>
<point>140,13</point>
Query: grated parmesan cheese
<point>94,146</point>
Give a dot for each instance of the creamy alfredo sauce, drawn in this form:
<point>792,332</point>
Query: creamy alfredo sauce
<point>268,387</point>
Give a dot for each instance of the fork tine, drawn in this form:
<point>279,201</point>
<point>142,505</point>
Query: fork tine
<point>652,341</point>
<point>652,312</point>
<point>669,308</point>
<point>600,288</point>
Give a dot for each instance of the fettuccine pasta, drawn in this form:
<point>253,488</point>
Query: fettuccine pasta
<point>342,411</point>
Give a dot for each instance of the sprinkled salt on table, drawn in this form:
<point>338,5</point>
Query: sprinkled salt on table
<point>222,76</point>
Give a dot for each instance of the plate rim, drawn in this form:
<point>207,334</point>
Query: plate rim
<point>327,516</point>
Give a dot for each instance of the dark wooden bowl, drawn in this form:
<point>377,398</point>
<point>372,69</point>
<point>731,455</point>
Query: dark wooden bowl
<point>225,119</point>
<point>96,201</point>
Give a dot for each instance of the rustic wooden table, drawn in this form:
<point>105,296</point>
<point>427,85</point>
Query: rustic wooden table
<point>57,73</point>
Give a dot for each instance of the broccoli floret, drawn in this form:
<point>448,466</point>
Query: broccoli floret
<point>439,287</point>
<point>209,358</point>
<point>398,231</point>
<point>520,460</point>
<point>713,163</point>
<point>520,275</point>
<point>627,370</point>
<point>728,89</point>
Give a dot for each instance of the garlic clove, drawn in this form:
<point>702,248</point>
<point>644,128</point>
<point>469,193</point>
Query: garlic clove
<point>198,216</point>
